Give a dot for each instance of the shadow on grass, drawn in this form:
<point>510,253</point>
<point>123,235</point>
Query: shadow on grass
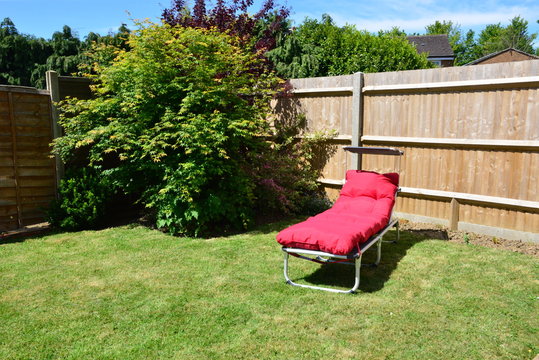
<point>21,235</point>
<point>372,278</point>
<point>276,226</point>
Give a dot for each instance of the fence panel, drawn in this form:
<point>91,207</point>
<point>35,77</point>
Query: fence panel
<point>326,104</point>
<point>27,173</point>
<point>470,136</point>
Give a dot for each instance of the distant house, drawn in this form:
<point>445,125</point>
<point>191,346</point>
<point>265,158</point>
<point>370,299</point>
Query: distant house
<point>507,55</point>
<point>437,48</point>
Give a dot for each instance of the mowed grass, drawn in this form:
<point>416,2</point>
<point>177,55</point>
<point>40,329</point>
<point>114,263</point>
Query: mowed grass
<point>135,293</point>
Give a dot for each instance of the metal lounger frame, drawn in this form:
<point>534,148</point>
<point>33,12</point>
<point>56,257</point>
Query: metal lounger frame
<point>324,257</point>
<point>355,257</point>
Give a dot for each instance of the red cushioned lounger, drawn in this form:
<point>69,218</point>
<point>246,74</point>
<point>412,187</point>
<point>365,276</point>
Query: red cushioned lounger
<point>359,218</point>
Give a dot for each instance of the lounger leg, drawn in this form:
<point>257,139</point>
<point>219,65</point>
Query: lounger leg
<point>352,290</point>
<point>357,278</point>
<point>379,253</point>
<point>398,235</point>
<point>288,281</point>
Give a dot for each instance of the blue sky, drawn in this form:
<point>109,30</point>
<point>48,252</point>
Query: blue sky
<point>43,17</point>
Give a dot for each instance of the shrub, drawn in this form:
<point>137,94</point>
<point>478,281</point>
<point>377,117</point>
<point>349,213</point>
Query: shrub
<point>82,200</point>
<point>180,113</point>
<point>287,170</point>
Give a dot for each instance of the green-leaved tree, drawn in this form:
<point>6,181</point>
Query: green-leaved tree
<point>20,54</point>
<point>321,48</point>
<point>24,59</point>
<point>516,35</point>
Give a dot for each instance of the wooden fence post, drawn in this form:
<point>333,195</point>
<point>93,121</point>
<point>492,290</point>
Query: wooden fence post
<point>54,90</point>
<point>357,118</point>
<point>454,220</point>
<point>14,151</point>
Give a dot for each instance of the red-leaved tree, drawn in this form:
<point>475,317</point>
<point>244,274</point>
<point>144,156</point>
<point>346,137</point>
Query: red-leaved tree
<point>258,31</point>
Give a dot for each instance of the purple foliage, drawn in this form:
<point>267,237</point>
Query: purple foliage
<point>232,17</point>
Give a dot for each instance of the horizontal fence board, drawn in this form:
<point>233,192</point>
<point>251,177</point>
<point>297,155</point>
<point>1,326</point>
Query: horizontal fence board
<point>41,120</point>
<point>8,202</point>
<point>33,130</point>
<point>473,85</point>
<point>7,192</point>
<point>37,171</point>
<point>7,182</point>
<point>37,145</point>
<point>42,161</point>
<point>33,137</point>
<point>490,143</point>
<point>483,199</point>
<point>42,153</point>
<point>36,191</point>
<point>21,100</point>
<point>8,222</point>
<point>317,91</point>
<point>6,161</point>
<point>504,115</point>
<point>448,196</point>
<point>8,210</point>
<point>22,90</point>
<point>504,174</point>
<point>7,171</point>
<point>30,182</point>
<point>35,202</point>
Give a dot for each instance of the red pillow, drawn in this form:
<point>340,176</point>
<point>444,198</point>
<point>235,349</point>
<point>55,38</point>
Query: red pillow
<point>370,184</point>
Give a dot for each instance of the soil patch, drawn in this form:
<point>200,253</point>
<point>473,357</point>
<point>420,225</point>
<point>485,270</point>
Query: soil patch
<point>432,231</point>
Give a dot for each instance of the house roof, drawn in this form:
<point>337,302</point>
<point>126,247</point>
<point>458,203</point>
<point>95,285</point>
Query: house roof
<point>434,45</point>
<point>489,56</point>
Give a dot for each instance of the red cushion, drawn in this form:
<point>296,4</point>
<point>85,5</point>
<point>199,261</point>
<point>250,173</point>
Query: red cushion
<point>362,209</point>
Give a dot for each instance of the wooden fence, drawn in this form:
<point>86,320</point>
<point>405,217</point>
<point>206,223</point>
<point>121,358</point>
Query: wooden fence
<point>27,173</point>
<point>28,123</point>
<point>470,136</point>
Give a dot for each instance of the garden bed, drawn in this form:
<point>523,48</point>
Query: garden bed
<point>443,233</point>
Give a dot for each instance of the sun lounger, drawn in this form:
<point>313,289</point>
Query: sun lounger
<point>358,220</point>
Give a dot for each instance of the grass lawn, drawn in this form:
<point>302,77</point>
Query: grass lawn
<point>135,293</point>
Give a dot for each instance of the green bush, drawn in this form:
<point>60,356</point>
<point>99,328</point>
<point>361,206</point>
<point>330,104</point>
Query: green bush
<point>82,200</point>
<point>180,113</point>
